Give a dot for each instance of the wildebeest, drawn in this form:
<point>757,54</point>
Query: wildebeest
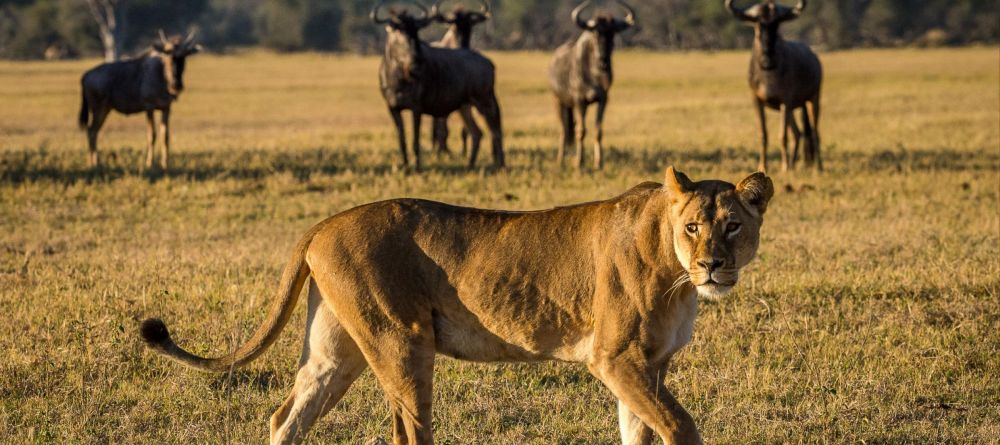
<point>459,35</point>
<point>581,75</point>
<point>461,22</point>
<point>784,76</point>
<point>435,81</point>
<point>149,82</point>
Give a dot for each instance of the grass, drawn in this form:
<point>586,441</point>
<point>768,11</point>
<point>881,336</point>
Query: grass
<point>872,314</point>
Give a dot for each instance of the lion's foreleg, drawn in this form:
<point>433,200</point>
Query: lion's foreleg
<point>399,436</point>
<point>628,377</point>
<point>634,432</point>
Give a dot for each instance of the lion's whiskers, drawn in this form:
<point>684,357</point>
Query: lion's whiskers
<point>681,279</point>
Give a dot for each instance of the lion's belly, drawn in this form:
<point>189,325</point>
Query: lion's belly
<point>466,337</point>
<point>470,341</point>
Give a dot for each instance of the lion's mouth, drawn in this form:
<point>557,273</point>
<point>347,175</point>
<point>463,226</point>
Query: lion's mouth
<point>712,280</point>
<point>711,289</point>
<point>712,285</point>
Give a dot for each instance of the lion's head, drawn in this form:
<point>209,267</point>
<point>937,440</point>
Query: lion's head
<point>715,227</point>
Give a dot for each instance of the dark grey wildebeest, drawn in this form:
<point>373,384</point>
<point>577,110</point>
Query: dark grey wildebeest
<point>460,23</point>
<point>784,76</point>
<point>149,82</point>
<point>581,75</point>
<point>435,81</point>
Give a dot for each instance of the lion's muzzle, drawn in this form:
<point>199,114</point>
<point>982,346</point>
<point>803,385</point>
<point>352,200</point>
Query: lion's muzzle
<point>713,278</point>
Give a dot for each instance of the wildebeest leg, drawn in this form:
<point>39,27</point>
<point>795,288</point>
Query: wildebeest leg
<point>581,132</point>
<point>439,133</point>
<point>417,117</point>
<point>465,140</point>
<point>807,131</point>
<point>490,110</point>
<point>150,137</point>
<point>397,120</point>
<point>762,165</point>
<point>165,132</point>
<point>794,126</point>
<point>599,135</point>
<point>98,115</point>
<point>330,362</point>
<point>787,120</point>
<point>477,135</point>
<point>812,109</point>
<point>566,120</point>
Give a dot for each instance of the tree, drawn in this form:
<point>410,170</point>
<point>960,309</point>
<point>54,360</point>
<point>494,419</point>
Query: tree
<point>280,25</point>
<point>110,16</point>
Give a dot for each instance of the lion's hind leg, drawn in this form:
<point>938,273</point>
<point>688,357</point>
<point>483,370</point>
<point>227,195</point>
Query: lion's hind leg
<point>331,361</point>
<point>403,363</point>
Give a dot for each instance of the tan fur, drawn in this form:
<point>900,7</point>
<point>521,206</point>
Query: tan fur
<point>612,284</point>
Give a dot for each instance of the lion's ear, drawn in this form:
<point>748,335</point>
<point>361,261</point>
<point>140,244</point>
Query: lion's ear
<point>756,190</point>
<point>677,183</point>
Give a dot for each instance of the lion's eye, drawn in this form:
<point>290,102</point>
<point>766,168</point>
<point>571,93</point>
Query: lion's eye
<point>692,228</point>
<point>732,227</point>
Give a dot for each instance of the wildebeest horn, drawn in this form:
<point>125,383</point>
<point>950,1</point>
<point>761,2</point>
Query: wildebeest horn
<point>163,37</point>
<point>423,9</point>
<point>739,13</point>
<point>797,10</point>
<point>190,36</point>
<point>785,13</point>
<point>374,14</point>
<point>436,13</point>
<point>629,13</point>
<point>576,15</point>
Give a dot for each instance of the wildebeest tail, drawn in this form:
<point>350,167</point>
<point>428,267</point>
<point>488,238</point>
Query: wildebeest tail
<point>84,110</point>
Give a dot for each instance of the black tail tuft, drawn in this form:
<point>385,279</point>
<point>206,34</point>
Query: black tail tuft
<point>154,332</point>
<point>84,109</point>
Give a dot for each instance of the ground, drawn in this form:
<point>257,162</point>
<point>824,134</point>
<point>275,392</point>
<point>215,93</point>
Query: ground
<point>870,316</point>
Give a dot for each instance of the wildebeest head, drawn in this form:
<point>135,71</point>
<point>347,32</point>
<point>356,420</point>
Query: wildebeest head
<point>173,52</point>
<point>403,46</point>
<point>402,21</point>
<point>766,17</point>
<point>462,19</point>
<point>605,26</point>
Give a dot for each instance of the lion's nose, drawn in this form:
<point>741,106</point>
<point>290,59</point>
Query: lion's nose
<point>710,264</point>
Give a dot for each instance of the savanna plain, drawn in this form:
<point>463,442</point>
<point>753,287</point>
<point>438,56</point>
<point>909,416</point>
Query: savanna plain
<point>872,314</point>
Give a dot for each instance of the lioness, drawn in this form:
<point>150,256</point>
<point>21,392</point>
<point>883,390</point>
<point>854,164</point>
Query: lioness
<point>612,284</point>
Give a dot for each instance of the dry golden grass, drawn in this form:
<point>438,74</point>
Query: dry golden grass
<point>871,315</point>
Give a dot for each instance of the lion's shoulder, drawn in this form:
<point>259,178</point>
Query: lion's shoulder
<point>645,187</point>
<point>640,191</point>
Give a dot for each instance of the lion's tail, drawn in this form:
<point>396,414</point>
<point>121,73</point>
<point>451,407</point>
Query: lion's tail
<point>154,331</point>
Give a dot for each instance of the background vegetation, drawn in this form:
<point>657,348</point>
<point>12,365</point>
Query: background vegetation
<point>872,314</point>
<point>29,27</point>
